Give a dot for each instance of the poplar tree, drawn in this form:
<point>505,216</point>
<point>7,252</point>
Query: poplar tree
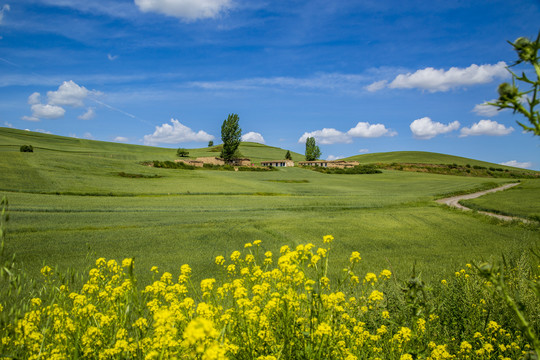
<point>231,136</point>
<point>312,150</point>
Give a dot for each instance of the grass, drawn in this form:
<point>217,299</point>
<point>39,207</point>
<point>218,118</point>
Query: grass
<point>511,202</point>
<point>68,200</point>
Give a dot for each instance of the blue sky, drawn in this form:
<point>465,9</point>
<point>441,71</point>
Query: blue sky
<point>359,76</point>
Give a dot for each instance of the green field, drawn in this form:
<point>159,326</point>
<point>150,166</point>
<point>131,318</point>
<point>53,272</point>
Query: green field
<point>69,205</point>
<point>522,201</point>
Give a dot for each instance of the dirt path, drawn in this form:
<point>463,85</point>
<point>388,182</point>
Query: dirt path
<point>454,202</point>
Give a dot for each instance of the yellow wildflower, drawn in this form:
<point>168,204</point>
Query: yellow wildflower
<point>327,239</point>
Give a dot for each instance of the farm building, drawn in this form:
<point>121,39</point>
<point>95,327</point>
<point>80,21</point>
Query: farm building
<point>211,160</point>
<point>239,162</point>
<point>340,164</point>
<point>277,163</point>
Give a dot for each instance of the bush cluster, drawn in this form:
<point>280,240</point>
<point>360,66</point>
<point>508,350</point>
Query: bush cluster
<point>27,148</point>
<point>269,306</point>
<point>358,169</point>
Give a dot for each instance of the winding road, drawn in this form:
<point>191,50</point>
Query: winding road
<point>454,202</point>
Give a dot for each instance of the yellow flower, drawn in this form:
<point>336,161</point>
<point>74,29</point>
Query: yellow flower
<point>370,278</point>
<point>327,239</point>
<point>185,270</point>
<point>385,274</point>
<point>257,242</point>
<point>385,315</point>
<point>220,260</point>
<point>376,296</point>
<point>154,269</point>
<point>355,257</point>
<point>127,262</point>
<point>444,282</point>
<point>46,270</point>
<point>406,357</point>
<point>35,302</point>
<point>248,245</point>
<point>323,329</point>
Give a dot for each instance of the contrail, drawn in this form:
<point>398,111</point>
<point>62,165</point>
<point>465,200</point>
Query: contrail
<point>121,111</point>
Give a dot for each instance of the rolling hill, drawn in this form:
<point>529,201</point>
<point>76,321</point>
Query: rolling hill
<point>12,139</point>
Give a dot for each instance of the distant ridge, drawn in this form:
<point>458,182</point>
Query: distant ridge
<point>12,139</point>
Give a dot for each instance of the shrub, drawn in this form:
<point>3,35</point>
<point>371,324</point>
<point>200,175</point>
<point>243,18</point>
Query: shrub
<point>27,148</point>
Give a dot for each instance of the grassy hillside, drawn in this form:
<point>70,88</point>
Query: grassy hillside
<point>12,139</point>
<point>420,157</point>
<point>68,203</point>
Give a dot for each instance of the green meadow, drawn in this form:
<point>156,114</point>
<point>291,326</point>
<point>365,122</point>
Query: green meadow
<point>69,205</point>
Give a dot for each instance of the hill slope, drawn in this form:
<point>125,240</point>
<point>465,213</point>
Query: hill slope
<point>420,157</point>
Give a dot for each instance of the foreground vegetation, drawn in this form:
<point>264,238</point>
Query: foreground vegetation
<point>264,305</point>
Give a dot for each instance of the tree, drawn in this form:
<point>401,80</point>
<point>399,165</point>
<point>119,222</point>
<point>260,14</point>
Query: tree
<point>27,148</point>
<point>230,135</point>
<point>210,143</point>
<point>182,152</point>
<point>312,150</point>
<point>288,155</point>
<point>510,97</point>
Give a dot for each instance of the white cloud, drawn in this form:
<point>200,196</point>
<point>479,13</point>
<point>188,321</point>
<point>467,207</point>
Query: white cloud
<point>8,124</point>
<point>425,128</point>
<point>177,133</point>
<point>89,114</point>
<point>69,93</point>
<point>367,130</point>
<point>363,151</point>
<point>440,80</point>
<point>188,10</point>
<point>253,137</point>
<point>514,163</point>
<point>43,131</point>
<point>88,136</point>
<point>486,127</point>
<point>112,57</point>
<point>332,157</point>
<point>484,109</point>
<point>35,98</point>
<point>121,139</point>
<point>29,118</point>
<point>327,136</point>
<point>40,111</point>
<point>376,86</point>
<point>5,8</point>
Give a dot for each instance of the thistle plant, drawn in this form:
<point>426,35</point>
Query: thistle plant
<point>523,100</point>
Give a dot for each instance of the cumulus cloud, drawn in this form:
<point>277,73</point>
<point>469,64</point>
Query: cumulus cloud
<point>435,80</point>
<point>5,8</point>
<point>425,128</point>
<point>514,163</point>
<point>177,133</point>
<point>486,127</point>
<point>88,136</point>
<point>328,136</point>
<point>253,137</point>
<point>121,139</point>
<point>45,111</point>
<point>484,109</point>
<point>35,98</point>
<point>367,130</point>
<point>89,114</point>
<point>332,157</point>
<point>363,151</point>
<point>68,94</point>
<point>188,10</point>
<point>376,86</point>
